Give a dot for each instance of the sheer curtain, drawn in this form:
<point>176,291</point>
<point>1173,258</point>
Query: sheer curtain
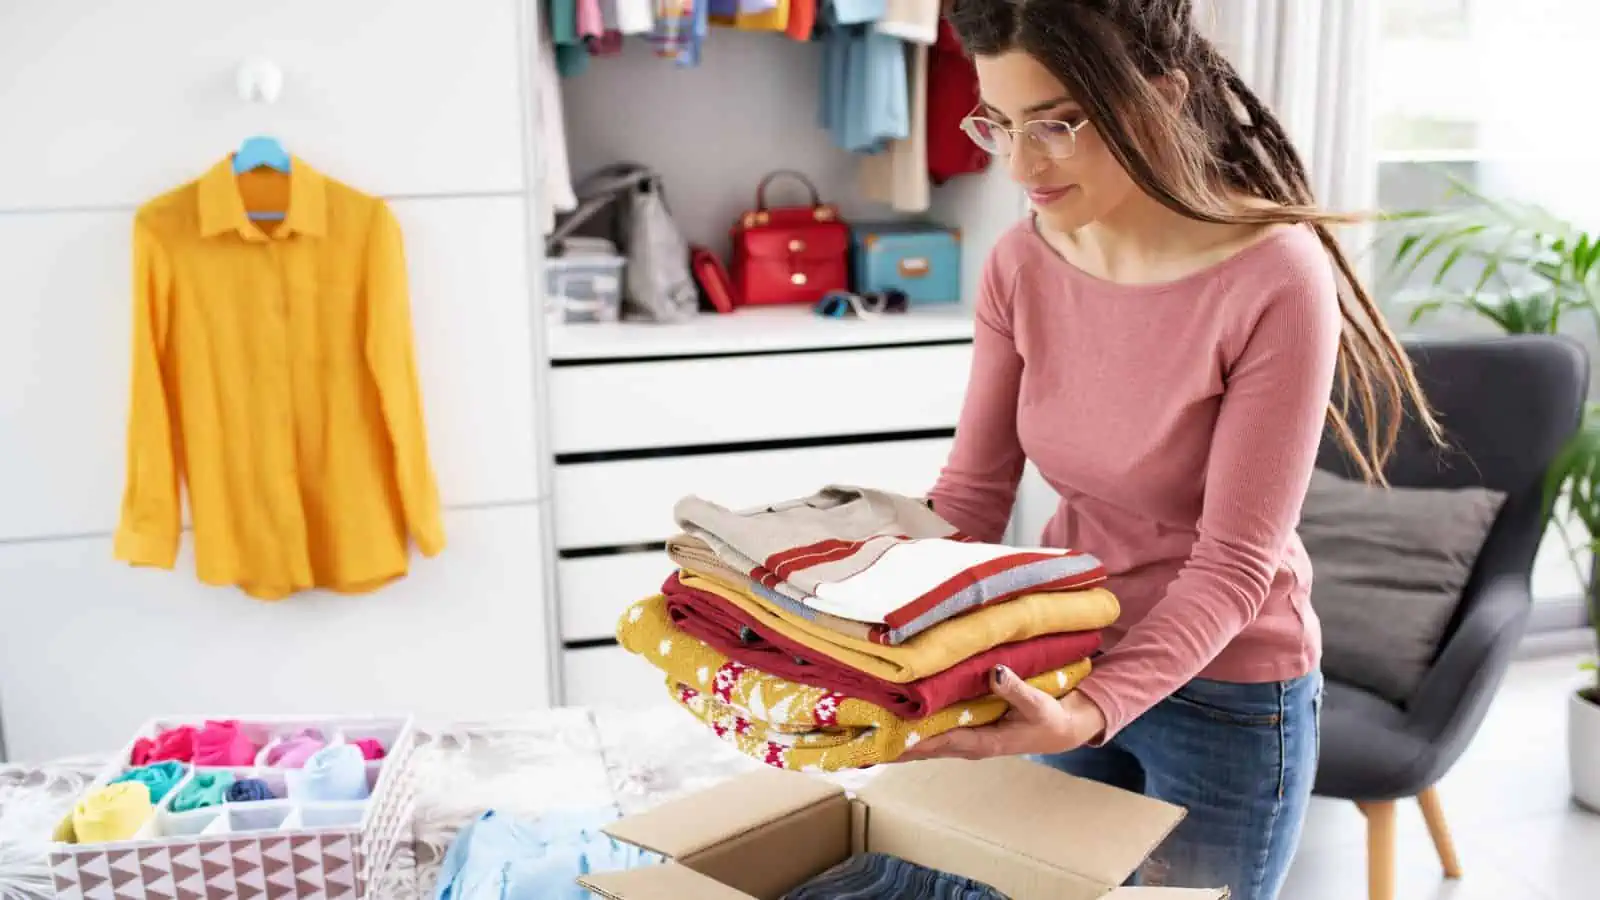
<point>1311,63</point>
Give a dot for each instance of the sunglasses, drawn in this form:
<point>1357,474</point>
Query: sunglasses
<point>842,304</point>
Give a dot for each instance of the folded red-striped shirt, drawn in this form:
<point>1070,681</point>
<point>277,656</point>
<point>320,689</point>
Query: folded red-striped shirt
<point>877,557</point>
<point>743,639</point>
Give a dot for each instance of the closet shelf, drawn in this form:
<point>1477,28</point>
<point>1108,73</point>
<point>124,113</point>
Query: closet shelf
<point>756,330</point>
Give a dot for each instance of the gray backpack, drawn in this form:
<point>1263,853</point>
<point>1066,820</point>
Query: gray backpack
<point>624,203</point>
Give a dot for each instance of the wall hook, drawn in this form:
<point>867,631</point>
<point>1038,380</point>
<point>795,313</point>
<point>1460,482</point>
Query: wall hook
<point>260,81</point>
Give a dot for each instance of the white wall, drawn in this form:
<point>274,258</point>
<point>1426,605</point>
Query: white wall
<point>415,100</point>
<point>106,105</point>
<point>712,131</point>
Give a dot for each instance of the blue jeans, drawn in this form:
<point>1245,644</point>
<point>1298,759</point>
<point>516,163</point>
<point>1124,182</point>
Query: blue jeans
<point>878,876</point>
<point>1241,758</point>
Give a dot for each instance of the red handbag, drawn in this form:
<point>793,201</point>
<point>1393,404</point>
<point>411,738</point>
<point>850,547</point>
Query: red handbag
<point>789,254</point>
<point>713,279</point>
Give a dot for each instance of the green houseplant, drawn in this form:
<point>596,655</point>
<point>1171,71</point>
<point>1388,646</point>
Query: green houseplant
<point>1533,268</point>
<point>1524,270</point>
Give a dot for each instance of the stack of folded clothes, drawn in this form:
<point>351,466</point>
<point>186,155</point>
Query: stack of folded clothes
<point>836,630</point>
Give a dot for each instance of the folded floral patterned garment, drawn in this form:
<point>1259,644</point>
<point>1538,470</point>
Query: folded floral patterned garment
<point>940,647</point>
<point>876,557</point>
<point>789,725</point>
<point>744,639</point>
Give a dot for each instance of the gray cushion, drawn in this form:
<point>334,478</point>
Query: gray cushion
<point>1388,566</point>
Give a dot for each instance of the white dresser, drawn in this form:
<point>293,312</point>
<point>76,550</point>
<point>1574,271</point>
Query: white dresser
<point>743,409</point>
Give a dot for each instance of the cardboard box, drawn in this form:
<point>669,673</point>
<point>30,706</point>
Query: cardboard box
<point>1028,831</point>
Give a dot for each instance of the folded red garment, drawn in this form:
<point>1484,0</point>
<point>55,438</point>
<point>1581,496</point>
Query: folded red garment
<point>740,637</point>
<point>172,744</point>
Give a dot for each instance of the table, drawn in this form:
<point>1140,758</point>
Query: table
<point>521,765</point>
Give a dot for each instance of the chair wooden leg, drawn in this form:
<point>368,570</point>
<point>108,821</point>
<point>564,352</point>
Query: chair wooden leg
<point>1380,849</point>
<point>1433,814</point>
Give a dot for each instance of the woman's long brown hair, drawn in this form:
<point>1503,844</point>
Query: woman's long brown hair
<point>1198,158</point>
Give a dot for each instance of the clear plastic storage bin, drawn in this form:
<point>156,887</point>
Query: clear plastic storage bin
<point>584,288</point>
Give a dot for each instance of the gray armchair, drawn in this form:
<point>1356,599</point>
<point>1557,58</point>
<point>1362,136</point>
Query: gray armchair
<point>1508,405</point>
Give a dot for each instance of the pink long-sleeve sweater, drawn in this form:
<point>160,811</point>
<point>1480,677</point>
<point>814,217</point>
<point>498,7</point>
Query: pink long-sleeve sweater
<point>1179,423</point>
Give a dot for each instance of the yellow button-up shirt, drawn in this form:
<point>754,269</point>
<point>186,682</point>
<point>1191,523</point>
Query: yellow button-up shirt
<point>273,373</point>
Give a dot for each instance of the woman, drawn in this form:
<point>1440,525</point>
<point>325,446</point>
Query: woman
<point>1162,337</point>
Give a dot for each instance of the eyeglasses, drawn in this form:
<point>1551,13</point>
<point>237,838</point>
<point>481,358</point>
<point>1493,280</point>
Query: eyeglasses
<point>841,304</point>
<point>1055,139</point>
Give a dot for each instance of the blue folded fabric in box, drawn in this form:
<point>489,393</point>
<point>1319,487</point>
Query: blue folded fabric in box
<point>878,876</point>
<point>500,857</point>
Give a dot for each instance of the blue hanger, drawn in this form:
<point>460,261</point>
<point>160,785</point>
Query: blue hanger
<point>261,152</point>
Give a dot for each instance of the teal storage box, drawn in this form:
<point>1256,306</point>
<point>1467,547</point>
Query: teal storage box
<point>921,258</point>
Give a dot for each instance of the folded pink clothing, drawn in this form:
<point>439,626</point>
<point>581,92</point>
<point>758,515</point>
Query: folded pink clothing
<point>223,744</point>
<point>294,750</point>
<point>370,748</point>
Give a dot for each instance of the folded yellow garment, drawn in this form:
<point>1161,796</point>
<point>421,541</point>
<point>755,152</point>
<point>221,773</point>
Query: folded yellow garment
<point>941,646</point>
<point>789,725</point>
<point>115,812</point>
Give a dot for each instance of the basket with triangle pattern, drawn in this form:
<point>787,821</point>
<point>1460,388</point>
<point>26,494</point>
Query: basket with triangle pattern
<point>273,849</point>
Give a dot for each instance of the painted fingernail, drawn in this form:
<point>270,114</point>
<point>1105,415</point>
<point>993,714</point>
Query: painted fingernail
<point>1000,673</point>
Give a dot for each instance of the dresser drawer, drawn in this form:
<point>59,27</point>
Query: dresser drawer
<point>674,403</point>
<point>596,589</point>
<point>609,504</point>
<point>601,677</point>
<point>120,101</point>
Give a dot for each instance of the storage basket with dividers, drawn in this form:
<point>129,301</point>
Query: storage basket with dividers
<point>285,841</point>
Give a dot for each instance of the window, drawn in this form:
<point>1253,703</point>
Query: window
<point>1501,95</point>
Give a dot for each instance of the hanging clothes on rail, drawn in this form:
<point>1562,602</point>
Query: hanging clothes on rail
<point>610,41</point>
<point>590,23</point>
<point>754,15</point>
<point>572,52</point>
<point>273,376</point>
<point>853,12</point>
<point>952,96</point>
<point>865,89</point>
<point>913,21</point>
<point>550,131</point>
<point>635,16</point>
<point>680,30</point>
<point>802,19</point>
<point>898,177</point>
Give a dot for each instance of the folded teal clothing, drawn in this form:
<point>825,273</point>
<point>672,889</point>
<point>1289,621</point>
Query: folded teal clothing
<point>159,777</point>
<point>204,789</point>
<point>500,857</point>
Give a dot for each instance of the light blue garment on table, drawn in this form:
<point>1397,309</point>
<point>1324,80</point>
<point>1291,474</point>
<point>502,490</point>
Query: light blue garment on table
<point>500,857</point>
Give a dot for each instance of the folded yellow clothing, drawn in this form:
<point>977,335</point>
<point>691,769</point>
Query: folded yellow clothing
<point>790,725</point>
<point>940,647</point>
<point>115,812</point>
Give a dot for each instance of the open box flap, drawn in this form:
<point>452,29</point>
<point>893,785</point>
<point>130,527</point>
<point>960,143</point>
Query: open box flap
<point>1167,893</point>
<point>690,824</point>
<point>668,881</point>
<point>1093,830</point>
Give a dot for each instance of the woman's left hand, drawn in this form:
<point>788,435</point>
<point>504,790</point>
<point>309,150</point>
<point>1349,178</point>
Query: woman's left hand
<point>1036,723</point>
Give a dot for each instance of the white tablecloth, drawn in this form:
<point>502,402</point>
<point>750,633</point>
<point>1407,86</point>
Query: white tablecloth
<point>524,765</point>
